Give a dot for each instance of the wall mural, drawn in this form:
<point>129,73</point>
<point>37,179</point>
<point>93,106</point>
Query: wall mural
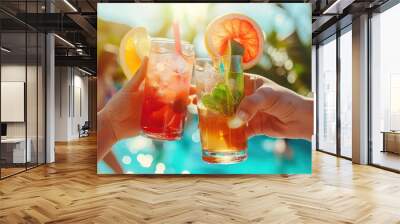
<point>205,88</point>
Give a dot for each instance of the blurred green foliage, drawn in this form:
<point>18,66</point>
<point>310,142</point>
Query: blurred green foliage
<point>287,29</point>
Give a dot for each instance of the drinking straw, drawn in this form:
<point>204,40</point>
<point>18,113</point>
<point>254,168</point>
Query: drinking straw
<point>177,38</point>
<point>221,68</point>
<point>226,61</point>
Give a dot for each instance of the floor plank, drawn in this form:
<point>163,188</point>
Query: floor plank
<point>70,191</point>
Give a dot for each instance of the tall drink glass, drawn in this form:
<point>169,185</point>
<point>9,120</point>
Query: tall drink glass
<point>166,89</point>
<point>218,96</point>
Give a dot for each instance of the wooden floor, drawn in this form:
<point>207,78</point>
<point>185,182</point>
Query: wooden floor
<point>5,172</point>
<point>69,191</point>
<point>8,171</point>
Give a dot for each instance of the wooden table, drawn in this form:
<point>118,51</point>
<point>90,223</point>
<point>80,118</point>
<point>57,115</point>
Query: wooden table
<point>391,141</point>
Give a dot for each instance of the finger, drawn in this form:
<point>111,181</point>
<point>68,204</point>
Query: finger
<point>264,124</point>
<point>257,125</point>
<point>192,90</point>
<point>194,100</point>
<point>262,99</point>
<point>136,80</point>
<point>252,82</point>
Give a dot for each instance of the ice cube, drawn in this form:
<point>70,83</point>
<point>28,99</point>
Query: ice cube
<point>160,50</point>
<point>209,68</point>
<point>204,74</point>
<point>160,67</point>
<point>179,63</point>
<point>208,78</point>
<point>199,68</point>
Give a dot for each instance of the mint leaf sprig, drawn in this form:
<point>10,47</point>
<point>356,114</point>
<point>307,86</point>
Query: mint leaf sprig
<point>217,100</point>
<point>220,97</point>
<point>226,96</point>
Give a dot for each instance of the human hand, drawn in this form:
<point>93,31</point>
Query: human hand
<point>273,110</point>
<point>121,116</point>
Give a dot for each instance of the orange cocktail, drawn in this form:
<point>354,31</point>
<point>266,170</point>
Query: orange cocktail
<point>219,94</point>
<point>220,143</point>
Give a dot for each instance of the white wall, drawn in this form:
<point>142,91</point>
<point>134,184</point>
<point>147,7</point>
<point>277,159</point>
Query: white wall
<point>70,83</point>
<point>13,73</point>
<point>61,103</point>
<point>80,84</point>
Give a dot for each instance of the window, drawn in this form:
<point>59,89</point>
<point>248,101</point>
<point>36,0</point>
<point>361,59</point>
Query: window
<point>346,93</point>
<point>22,75</point>
<point>385,89</point>
<point>327,96</point>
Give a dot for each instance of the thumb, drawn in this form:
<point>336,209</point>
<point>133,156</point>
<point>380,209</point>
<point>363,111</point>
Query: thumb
<point>136,80</point>
<point>262,99</point>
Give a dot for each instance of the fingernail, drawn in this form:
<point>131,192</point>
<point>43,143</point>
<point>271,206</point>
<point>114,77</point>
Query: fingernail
<point>242,115</point>
<point>239,120</point>
<point>235,122</point>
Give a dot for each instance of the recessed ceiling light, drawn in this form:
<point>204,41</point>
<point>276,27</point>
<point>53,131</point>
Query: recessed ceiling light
<point>64,40</point>
<point>70,5</point>
<point>5,50</point>
<point>337,7</point>
<point>84,71</point>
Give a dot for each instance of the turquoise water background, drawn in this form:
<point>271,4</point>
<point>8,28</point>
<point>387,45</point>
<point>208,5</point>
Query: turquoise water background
<point>184,156</point>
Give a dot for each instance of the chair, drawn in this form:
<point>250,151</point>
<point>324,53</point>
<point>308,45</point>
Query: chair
<point>84,130</point>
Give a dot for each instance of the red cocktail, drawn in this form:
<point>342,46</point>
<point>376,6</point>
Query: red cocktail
<point>166,90</point>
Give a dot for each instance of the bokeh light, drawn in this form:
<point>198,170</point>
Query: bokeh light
<point>286,60</point>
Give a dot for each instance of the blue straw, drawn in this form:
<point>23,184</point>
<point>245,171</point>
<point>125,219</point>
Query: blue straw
<point>221,68</point>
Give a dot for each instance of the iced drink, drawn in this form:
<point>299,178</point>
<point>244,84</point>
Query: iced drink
<point>166,89</point>
<point>220,92</point>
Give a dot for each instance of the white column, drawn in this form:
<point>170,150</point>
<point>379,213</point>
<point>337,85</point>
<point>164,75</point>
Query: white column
<point>360,90</point>
<point>50,100</point>
<point>314,91</point>
<point>50,92</point>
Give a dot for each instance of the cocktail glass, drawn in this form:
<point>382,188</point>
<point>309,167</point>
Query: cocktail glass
<point>166,89</point>
<point>219,93</point>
